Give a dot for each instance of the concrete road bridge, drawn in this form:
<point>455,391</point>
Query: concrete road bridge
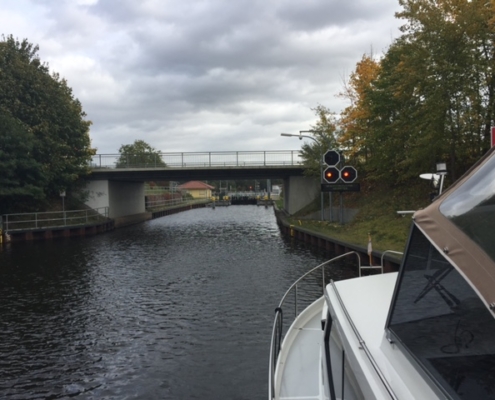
<point>117,182</point>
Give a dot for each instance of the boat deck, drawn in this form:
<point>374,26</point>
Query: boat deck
<point>367,302</point>
<point>299,372</point>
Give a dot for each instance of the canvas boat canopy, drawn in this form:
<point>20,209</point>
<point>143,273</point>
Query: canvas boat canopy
<point>461,224</point>
<point>442,311</point>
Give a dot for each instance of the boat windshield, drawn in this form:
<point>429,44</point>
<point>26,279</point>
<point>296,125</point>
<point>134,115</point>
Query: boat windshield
<point>442,322</point>
<point>471,207</point>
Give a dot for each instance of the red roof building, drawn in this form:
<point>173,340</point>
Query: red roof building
<point>197,189</point>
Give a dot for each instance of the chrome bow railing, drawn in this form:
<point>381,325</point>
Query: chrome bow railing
<point>277,330</point>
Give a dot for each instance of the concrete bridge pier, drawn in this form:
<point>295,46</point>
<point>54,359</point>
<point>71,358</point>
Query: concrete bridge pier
<point>125,200</point>
<point>299,191</point>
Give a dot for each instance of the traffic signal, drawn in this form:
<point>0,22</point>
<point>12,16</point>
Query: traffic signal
<point>331,174</point>
<point>348,174</point>
<point>331,157</point>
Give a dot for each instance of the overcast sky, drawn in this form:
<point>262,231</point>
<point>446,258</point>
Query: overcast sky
<point>203,75</point>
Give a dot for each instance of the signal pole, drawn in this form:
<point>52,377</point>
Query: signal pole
<point>335,174</point>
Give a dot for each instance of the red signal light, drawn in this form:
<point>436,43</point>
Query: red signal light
<point>331,175</point>
<point>348,174</point>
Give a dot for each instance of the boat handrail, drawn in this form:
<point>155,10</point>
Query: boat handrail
<point>277,323</point>
<point>322,266</point>
<point>400,253</point>
<point>362,343</point>
<point>380,267</point>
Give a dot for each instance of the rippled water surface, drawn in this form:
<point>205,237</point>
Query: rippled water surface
<point>180,307</point>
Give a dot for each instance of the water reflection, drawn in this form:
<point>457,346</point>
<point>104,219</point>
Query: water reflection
<point>180,307</point>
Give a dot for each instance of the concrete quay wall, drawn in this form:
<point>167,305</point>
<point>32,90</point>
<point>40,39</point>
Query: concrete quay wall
<point>176,209</point>
<point>57,232</point>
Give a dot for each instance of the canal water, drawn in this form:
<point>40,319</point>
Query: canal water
<point>180,307</point>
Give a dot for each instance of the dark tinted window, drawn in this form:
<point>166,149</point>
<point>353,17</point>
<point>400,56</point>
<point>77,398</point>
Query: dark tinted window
<point>441,321</point>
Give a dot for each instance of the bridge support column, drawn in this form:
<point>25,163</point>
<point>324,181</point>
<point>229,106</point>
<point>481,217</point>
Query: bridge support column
<point>125,200</point>
<point>299,191</point>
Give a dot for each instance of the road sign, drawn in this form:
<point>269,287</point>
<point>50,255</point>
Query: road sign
<point>348,174</point>
<point>331,175</point>
<point>331,157</point>
<point>340,187</point>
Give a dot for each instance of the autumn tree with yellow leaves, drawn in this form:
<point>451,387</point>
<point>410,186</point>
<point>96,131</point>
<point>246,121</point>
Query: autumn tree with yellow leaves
<point>430,98</point>
<point>355,119</point>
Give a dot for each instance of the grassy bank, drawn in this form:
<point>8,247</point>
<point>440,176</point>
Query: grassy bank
<point>377,216</point>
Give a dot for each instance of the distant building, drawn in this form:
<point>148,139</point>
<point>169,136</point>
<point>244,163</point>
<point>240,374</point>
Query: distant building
<point>197,189</point>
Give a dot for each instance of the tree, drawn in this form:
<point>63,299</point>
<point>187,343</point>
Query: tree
<point>139,155</point>
<point>45,106</point>
<point>21,178</point>
<point>355,119</point>
<point>454,54</point>
<point>324,132</point>
<point>431,97</point>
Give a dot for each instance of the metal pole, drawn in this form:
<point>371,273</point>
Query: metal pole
<point>322,216</point>
<point>295,301</point>
<point>63,210</point>
<point>330,206</point>
<point>441,185</point>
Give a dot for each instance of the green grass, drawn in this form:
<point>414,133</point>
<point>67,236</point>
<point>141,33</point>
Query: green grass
<point>377,216</point>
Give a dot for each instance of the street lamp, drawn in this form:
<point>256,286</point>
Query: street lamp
<point>301,136</point>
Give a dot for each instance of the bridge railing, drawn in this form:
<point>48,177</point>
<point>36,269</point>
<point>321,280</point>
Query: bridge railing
<point>198,159</point>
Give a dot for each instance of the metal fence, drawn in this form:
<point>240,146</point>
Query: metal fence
<point>53,219</point>
<point>198,159</point>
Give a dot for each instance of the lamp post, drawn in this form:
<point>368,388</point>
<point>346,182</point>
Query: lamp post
<point>62,195</point>
<point>442,171</point>
<point>301,136</point>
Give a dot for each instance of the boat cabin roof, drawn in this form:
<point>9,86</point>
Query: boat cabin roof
<point>461,225</point>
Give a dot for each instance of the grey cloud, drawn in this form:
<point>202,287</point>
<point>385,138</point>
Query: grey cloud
<point>212,73</point>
